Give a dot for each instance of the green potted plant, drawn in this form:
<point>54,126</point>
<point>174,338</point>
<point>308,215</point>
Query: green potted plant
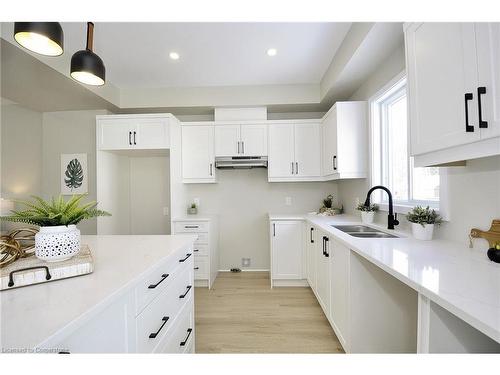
<point>423,221</point>
<point>192,209</point>
<point>58,238</point>
<point>367,212</point>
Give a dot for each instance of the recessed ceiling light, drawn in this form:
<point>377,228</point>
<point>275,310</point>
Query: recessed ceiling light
<point>272,52</point>
<point>174,55</point>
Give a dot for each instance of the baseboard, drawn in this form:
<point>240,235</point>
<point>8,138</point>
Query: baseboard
<point>248,270</point>
<point>201,283</point>
<point>290,283</point>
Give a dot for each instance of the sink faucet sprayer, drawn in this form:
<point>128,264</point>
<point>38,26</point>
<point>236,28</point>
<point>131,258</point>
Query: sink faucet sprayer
<point>392,218</point>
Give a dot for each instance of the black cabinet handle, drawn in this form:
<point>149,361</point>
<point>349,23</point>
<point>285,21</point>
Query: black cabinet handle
<point>163,277</point>
<point>134,138</point>
<point>296,167</point>
<point>238,147</point>
<point>63,352</point>
<point>334,162</point>
<point>312,239</point>
<point>188,288</point>
<point>11,274</point>
<point>130,138</point>
<point>185,258</point>
<point>468,128</point>
<point>327,254</point>
<point>481,91</point>
<point>324,245</point>
<point>274,230</point>
<point>242,147</point>
<point>189,330</point>
<point>196,250</point>
<point>196,268</point>
<point>191,226</point>
<point>153,335</point>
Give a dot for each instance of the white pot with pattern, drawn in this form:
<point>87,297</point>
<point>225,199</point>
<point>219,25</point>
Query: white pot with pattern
<point>54,244</point>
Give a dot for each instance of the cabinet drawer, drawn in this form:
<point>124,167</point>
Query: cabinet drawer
<point>200,250</point>
<point>201,267</point>
<point>182,336</point>
<point>191,227</point>
<point>155,321</point>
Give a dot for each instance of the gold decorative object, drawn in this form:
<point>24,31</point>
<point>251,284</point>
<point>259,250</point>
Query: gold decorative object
<point>492,235</point>
<point>17,244</point>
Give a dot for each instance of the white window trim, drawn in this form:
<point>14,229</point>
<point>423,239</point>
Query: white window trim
<point>442,207</point>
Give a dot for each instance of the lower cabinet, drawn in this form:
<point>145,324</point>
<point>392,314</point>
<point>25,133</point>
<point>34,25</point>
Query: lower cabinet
<point>323,251</point>
<point>312,236</point>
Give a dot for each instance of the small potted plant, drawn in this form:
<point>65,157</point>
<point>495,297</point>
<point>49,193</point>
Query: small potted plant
<point>367,212</point>
<point>422,222</point>
<point>192,209</point>
<point>58,238</point>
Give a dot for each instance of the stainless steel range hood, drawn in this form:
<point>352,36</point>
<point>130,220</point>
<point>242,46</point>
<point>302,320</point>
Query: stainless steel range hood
<point>241,162</point>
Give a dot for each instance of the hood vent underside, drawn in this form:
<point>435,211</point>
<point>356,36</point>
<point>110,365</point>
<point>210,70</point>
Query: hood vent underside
<point>241,162</point>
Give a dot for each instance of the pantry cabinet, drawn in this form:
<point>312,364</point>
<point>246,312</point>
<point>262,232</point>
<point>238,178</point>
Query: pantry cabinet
<point>240,140</point>
<point>453,78</point>
<point>198,157</point>
<point>294,152</point>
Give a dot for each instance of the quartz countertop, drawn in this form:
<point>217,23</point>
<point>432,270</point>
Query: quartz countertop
<point>31,315</point>
<point>459,279</point>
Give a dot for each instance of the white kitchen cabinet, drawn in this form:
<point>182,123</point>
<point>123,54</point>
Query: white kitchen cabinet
<point>240,140</point>
<point>294,152</point>
<point>323,270</point>
<point>126,132</point>
<point>448,66</point>
<point>198,154</point>
<point>344,130</point>
<point>312,238</point>
<point>287,252</point>
<point>339,290</point>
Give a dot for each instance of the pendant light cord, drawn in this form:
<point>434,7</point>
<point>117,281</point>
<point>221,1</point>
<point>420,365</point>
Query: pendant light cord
<point>90,36</point>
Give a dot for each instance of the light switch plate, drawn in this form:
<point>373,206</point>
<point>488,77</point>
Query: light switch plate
<point>246,262</point>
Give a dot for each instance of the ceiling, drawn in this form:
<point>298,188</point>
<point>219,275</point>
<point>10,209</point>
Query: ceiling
<point>211,54</point>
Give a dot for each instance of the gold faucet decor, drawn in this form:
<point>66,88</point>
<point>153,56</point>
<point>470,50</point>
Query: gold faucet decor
<point>492,235</point>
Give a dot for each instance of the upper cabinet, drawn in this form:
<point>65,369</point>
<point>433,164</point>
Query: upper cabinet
<point>198,154</point>
<point>241,140</point>
<point>345,133</point>
<point>453,81</point>
<point>127,132</point>
<point>294,151</point>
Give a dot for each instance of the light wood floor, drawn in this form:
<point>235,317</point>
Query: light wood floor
<point>241,314</point>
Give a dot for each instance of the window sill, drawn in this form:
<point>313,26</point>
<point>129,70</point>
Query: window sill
<point>405,208</point>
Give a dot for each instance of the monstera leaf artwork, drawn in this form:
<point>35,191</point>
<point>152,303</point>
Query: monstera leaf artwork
<point>74,173</point>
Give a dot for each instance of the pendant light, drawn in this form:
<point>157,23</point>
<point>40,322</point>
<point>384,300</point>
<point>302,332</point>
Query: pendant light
<point>86,66</point>
<point>45,38</point>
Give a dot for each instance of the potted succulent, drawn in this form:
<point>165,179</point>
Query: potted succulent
<point>367,212</point>
<point>192,209</point>
<point>58,238</point>
<point>423,221</point>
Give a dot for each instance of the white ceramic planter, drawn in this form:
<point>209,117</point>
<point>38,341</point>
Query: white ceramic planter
<point>422,232</point>
<point>54,244</point>
<point>367,216</point>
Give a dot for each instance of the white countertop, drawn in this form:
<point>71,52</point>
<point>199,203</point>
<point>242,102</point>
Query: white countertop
<point>32,314</point>
<point>462,280</point>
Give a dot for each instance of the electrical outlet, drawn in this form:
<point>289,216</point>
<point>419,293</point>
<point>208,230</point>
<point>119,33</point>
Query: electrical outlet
<point>196,201</point>
<point>288,201</point>
<point>246,262</point>
<point>165,211</point>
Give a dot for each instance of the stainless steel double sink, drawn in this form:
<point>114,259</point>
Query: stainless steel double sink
<point>363,231</point>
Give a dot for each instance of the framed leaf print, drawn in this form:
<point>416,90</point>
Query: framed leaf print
<point>74,174</point>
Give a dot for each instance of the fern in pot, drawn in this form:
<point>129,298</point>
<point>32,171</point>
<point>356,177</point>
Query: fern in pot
<point>423,221</point>
<point>367,212</point>
<point>58,238</point>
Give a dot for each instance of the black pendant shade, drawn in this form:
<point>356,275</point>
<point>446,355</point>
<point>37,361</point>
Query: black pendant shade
<point>86,66</point>
<point>45,38</point>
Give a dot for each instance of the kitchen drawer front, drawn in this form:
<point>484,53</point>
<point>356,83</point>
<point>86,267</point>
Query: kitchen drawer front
<point>191,227</point>
<point>202,239</point>
<point>201,268</point>
<point>156,320</point>
<point>182,336</point>
<point>200,250</point>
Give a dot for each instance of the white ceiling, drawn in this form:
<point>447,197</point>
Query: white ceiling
<point>211,54</point>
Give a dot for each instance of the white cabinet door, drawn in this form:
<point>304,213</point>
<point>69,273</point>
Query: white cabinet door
<point>323,273</point>
<point>281,151</point>
<point>116,134</point>
<point>339,287</point>
<point>286,250</point>
<point>488,59</point>
<point>227,140</point>
<point>198,153</point>
<point>307,150</point>
<point>254,140</point>
<point>329,129</point>
<point>312,237</point>
<point>442,69</point>
<point>152,134</point>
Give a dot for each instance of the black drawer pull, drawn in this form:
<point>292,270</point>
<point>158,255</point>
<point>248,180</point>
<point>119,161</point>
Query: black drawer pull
<point>153,335</point>
<point>196,250</point>
<point>481,91</point>
<point>191,226</point>
<point>63,352</point>
<point>163,277</point>
<point>327,254</point>
<point>129,138</point>
<point>312,239</point>
<point>134,138</point>
<point>196,268</point>
<point>468,128</point>
<point>183,343</point>
<point>185,258</point>
<point>187,291</point>
<point>11,275</point>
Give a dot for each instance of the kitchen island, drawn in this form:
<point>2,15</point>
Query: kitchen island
<point>138,299</point>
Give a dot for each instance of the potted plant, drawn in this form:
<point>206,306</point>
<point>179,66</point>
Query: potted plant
<point>422,222</point>
<point>367,212</point>
<point>58,238</point>
<point>192,209</point>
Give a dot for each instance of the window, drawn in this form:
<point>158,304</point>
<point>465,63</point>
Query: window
<point>391,164</point>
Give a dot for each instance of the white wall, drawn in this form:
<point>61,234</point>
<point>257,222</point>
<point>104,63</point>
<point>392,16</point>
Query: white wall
<point>242,199</point>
